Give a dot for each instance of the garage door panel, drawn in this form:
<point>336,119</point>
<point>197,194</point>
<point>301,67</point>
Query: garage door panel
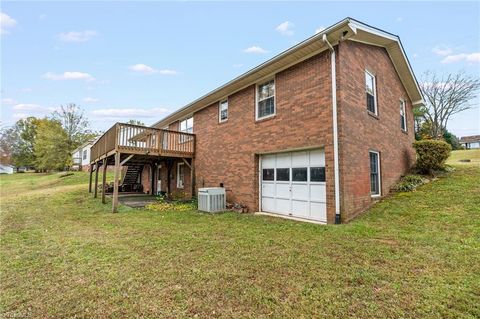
<point>282,206</point>
<point>268,161</point>
<point>300,191</point>
<point>268,189</point>
<point>283,191</point>
<point>268,204</point>
<point>317,158</point>
<point>300,159</point>
<point>318,211</point>
<point>284,160</point>
<point>318,192</point>
<point>300,209</point>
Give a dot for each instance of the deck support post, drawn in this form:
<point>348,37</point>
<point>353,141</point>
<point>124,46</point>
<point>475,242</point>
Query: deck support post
<point>95,191</point>
<point>115,182</point>
<point>192,177</point>
<point>90,180</point>
<point>104,179</point>
<point>153,169</point>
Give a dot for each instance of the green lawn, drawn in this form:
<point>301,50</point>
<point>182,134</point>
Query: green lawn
<point>472,155</point>
<point>63,254</point>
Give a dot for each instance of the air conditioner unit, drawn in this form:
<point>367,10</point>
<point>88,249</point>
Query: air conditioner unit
<point>212,199</point>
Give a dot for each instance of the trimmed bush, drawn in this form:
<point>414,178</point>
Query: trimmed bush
<point>408,183</point>
<point>431,155</point>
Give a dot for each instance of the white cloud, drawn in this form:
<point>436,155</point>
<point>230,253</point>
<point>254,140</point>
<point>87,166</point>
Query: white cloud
<point>90,100</point>
<point>442,50</point>
<point>77,36</point>
<point>146,69</point>
<point>26,107</point>
<point>468,57</point>
<point>69,75</point>
<point>319,29</point>
<point>8,101</point>
<point>129,112</point>
<point>24,110</point>
<point>285,28</point>
<point>32,107</point>
<point>255,49</point>
<point>6,22</point>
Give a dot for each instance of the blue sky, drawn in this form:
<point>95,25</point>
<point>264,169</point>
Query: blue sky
<point>142,60</point>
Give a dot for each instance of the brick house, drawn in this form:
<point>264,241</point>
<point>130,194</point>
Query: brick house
<point>318,132</point>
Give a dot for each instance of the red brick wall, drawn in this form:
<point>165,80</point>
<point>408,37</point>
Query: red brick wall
<point>228,152</point>
<point>145,178</point>
<point>360,132</point>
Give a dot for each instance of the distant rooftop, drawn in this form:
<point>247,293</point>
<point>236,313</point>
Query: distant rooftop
<point>470,139</point>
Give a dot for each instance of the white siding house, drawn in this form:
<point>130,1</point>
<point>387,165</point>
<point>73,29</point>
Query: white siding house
<point>81,156</point>
<point>6,169</point>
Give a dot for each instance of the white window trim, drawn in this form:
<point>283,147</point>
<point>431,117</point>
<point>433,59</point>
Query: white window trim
<point>403,105</point>
<point>379,174</point>
<point>374,91</point>
<point>183,138</point>
<point>274,99</point>
<point>178,176</point>
<point>220,110</point>
<point>186,119</point>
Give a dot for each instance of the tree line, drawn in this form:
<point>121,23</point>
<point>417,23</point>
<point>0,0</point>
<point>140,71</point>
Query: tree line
<point>47,143</point>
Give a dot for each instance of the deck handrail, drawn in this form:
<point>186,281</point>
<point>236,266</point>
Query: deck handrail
<point>137,139</point>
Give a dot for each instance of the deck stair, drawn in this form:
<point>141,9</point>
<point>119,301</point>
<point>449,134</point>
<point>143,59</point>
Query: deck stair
<point>132,174</point>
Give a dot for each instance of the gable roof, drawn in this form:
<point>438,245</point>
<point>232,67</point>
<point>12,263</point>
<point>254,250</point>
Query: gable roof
<point>470,139</point>
<point>347,28</point>
<point>89,142</point>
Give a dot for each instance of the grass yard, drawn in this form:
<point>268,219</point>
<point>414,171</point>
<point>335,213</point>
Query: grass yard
<point>63,254</point>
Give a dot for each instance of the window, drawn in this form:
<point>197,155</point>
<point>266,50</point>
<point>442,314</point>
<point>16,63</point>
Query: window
<point>186,126</point>
<point>84,154</point>
<point>283,174</point>
<point>268,174</point>
<point>266,99</point>
<point>180,175</point>
<point>299,174</point>
<point>403,117</point>
<point>371,92</point>
<point>317,174</point>
<point>223,111</point>
<point>374,173</point>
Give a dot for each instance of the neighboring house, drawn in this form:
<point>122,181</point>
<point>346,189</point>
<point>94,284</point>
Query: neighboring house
<point>81,156</point>
<point>470,141</point>
<point>6,169</point>
<point>318,132</point>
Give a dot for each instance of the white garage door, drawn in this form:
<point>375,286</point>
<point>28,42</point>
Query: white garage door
<point>293,184</point>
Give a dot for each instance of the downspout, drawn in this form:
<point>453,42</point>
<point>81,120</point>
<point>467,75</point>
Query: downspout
<point>335,132</point>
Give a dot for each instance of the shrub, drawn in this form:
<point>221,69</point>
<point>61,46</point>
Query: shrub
<point>431,155</point>
<point>408,183</point>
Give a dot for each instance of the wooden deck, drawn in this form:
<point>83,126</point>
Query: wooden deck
<point>141,140</point>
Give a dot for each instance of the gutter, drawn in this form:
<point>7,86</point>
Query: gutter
<point>338,219</point>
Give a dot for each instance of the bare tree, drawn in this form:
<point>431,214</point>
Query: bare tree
<point>445,96</point>
<point>74,123</point>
